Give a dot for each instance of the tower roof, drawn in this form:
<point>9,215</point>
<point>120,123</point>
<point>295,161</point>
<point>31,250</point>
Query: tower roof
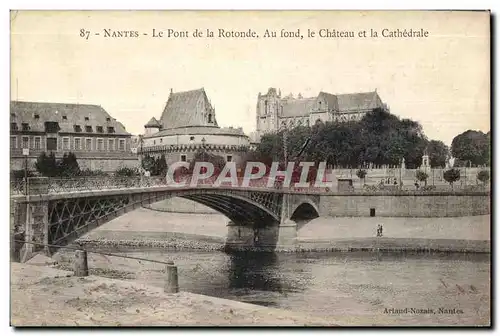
<point>153,123</point>
<point>186,109</point>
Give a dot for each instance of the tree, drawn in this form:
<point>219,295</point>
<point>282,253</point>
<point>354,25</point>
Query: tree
<point>68,165</point>
<point>472,146</point>
<point>361,173</point>
<point>148,163</point>
<point>451,175</point>
<point>203,156</point>
<point>46,165</point>
<point>422,176</point>
<point>161,166</point>
<point>483,176</point>
<point>438,153</point>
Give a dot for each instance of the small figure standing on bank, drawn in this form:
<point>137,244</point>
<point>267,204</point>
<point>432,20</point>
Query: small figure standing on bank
<point>379,230</point>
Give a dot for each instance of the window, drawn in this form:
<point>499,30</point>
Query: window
<point>183,158</point>
<point>154,142</point>
<point>229,158</point>
<point>51,144</point>
<point>209,118</point>
<point>26,142</point>
<point>38,142</point>
<point>78,143</point>
<point>65,143</point>
<point>161,140</point>
<point>26,126</point>
<point>100,144</point>
<point>111,144</point>
<point>99,129</point>
<point>13,126</point>
<point>191,138</point>
<point>108,119</point>
<point>122,145</point>
<point>111,129</point>
<point>36,116</point>
<point>88,144</point>
<point>13,142</point>
<point>65,117</point>
<point>12,114</point>
<point>86,118</point>
<point>88,129</point>
<point>51,127</point>
<point>77,128</point>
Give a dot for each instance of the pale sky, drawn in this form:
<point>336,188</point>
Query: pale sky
<point>442,81</point>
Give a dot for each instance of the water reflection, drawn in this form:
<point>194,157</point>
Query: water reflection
<point>254,270</point>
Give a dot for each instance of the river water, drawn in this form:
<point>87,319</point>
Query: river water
<point>355,288</point>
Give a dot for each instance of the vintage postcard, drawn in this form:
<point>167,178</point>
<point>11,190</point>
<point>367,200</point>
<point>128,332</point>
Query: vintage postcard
<point>250,168</point>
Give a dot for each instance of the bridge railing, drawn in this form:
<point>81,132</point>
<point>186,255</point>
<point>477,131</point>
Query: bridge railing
<point>17,186</point>
<point>62,185</point>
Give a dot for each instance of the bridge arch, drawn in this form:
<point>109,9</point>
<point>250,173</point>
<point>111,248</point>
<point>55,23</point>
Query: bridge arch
<point>304,212</point>
<point>71,217</point>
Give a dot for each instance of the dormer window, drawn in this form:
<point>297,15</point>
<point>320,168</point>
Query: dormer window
<point>36,116</point>
<point>65,117</point>
<point>88,129</point>
<point>52,127</point>
<point>77,128</point>
<point>86,118</point>
<point>111,129</point>
<point>25,126</point>
<point>13,126</point>
<point>12,114</point>
<point>100,129</point>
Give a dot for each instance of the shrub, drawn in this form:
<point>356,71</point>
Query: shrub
<point>483,176</point>
<point>125,171</point>
<point>88,172</point>
<point>451,175</point>
<point>422,176</point>
<point>19,174</point>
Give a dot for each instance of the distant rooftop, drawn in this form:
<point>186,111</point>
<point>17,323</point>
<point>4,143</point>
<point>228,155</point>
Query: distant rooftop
<point>35,114</point>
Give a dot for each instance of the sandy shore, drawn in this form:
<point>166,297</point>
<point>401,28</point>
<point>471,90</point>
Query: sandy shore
<point>44,296</point>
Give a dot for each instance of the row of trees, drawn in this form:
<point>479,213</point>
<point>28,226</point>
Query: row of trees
<point>67,166</point>
<point>379,138</point>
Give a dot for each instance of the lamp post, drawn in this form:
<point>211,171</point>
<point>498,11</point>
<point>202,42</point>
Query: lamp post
<point>285,146</point>
<point>26,152</point>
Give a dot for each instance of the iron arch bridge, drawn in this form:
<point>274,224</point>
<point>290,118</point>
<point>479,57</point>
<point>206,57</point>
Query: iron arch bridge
<point>51,213</point>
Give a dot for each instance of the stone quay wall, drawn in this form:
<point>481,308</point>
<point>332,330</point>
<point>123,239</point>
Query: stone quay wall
<point>439,204</point>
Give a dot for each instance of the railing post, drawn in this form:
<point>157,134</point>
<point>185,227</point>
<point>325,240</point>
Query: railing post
<point>81,266</point>
<point>172,282</point>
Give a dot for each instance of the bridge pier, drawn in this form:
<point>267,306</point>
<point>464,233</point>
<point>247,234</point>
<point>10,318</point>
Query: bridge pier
<point>36,230</point>
<point>31,218</point>
<point>244,236</point>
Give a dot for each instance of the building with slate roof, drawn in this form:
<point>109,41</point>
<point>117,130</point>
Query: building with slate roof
<point>188,124</point>
<point>99,141</point>
<point>275,112</point>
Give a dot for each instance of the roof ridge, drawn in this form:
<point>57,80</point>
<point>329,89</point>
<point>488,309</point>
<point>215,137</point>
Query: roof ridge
<point>53,103</point>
